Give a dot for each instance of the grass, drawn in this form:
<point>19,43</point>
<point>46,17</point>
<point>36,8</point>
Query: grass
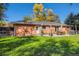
<point>39,46</point>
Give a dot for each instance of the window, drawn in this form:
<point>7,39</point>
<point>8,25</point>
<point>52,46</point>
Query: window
<point>44,27</point>
<point>36,28</point>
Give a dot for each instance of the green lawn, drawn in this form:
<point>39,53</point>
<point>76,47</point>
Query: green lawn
<point>39,46</point>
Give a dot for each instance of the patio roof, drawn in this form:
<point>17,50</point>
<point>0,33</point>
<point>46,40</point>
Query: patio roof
<point>41,23</point>
<point>7,25</point>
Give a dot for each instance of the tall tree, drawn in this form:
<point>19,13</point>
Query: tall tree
<point>52,16</point>
<point>3,7</point>
<point>38,9</point>
<point>41,14</point>
<point>69,19</point>
<point>76,22</point>
<point>73,20</point>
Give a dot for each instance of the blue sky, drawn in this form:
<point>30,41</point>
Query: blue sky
<point>16,11</point>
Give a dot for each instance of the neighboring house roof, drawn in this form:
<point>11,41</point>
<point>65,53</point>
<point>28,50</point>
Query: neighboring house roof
<point>42,23</point>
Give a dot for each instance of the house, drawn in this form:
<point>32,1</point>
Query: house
<point>34,28</point>
<point>40,28</point>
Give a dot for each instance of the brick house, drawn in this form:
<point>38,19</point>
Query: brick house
<point>40,28</point>
<point>34,28</point>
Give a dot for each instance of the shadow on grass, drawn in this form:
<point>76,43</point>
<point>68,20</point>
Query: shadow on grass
<point>8,45</point>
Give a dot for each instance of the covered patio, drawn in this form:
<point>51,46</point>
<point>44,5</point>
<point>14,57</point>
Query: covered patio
<point>6,31</point>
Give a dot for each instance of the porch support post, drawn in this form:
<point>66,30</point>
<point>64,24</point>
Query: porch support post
<point>50,31</point>
<point>14,31</point>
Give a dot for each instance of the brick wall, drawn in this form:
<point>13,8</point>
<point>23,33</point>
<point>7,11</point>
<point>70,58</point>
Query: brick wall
<point>30,30</point>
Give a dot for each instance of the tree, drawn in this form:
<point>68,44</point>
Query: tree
<point>52,16</point>
<point>27,18</point>
<point>3,8</point>
<point>38,9</point>
<point>73,20</point>
<point>41,14</point>
<point>76,22</point>
<point>69,19</point>
<point>56,19</point>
